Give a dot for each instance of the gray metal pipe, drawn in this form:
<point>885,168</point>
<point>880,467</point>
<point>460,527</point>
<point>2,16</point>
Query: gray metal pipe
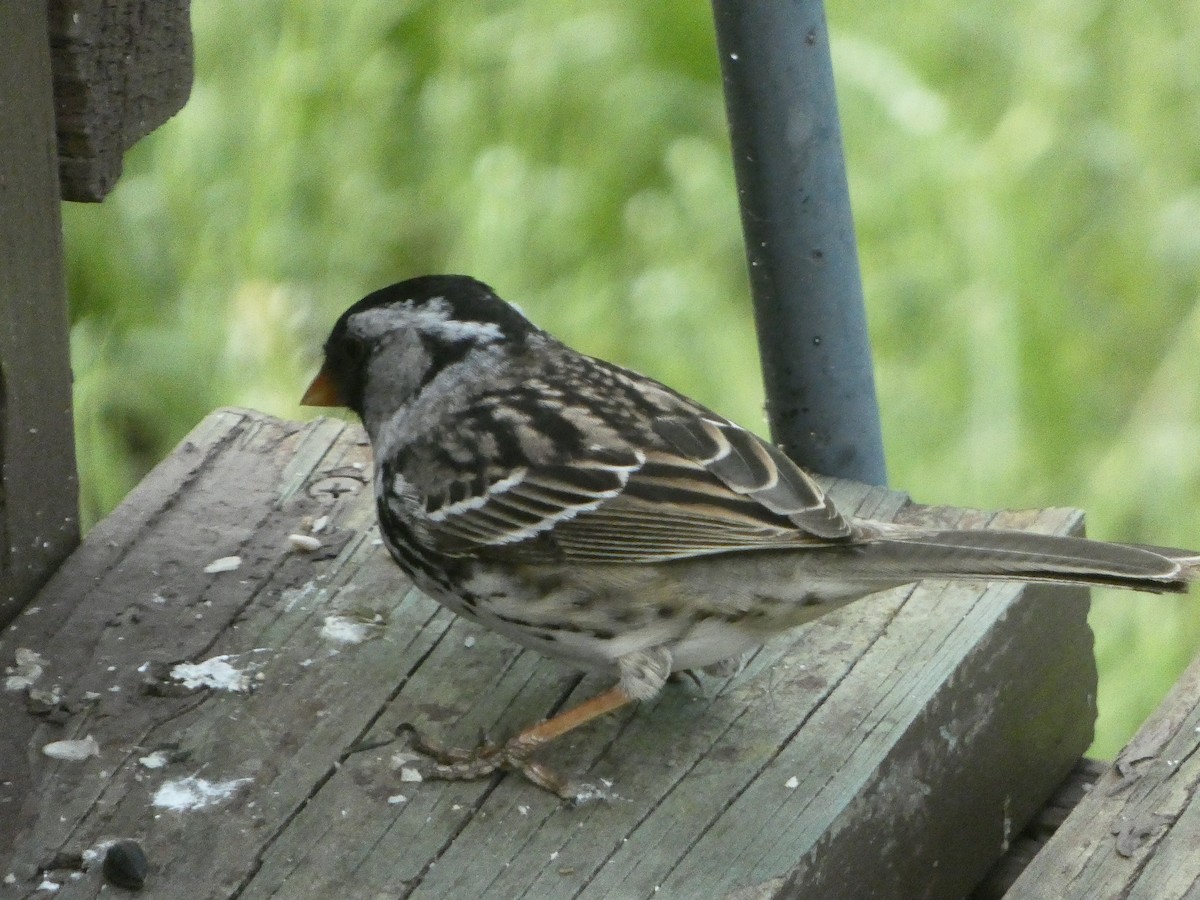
<point>799,231</point>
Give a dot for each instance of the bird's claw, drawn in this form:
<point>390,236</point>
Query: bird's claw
<point>458,764</point>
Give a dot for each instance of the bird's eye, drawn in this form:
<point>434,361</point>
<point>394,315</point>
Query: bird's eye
<point>355,350</point>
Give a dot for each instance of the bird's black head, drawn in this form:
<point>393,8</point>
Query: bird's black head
<point>421,326</point>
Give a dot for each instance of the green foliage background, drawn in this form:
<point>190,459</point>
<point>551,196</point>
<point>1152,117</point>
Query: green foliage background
<point>1026,181</point>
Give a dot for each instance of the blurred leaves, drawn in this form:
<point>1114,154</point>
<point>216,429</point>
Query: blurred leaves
<point>1026,183</point>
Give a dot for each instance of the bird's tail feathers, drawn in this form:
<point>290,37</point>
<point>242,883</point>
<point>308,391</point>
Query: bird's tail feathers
<point>1028,556</point>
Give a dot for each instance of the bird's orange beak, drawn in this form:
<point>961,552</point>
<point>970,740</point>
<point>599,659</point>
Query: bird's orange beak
<point>322,392</point>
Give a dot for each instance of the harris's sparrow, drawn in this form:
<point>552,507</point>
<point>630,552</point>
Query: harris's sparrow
<point>596,515</point>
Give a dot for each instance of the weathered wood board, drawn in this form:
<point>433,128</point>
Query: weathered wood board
<point>890,749</point>
<point>1137,833</point>
<point>39,496</point>
<point>121,69</point>
<point>1077,785</point>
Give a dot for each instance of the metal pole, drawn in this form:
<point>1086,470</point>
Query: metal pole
<point>791,176</point>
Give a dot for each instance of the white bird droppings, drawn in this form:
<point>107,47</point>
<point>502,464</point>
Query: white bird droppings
<point>215,673</point>
<point>29,668</point>
<point>344,630</point>
<point>155,760</point>
<point>185,794</point>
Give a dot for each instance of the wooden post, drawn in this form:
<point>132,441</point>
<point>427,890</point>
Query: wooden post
<point>80,82</point>
<point>38,491</point>
<point>121,69</point>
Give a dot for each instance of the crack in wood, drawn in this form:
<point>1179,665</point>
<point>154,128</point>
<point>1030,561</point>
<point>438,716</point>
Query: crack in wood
<point>701,805</point>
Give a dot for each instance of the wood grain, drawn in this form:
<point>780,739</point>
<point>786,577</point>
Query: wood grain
<point>891,748</point>
<point>38,489</point>
<point>121,69</point>
<point>1137,833</point>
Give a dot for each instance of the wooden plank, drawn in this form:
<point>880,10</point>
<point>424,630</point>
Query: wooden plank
<point>896,743</point>
<point>1077,785</point>
<point>38,490</point>
<point>1137,832</point>
<point>121,69</point>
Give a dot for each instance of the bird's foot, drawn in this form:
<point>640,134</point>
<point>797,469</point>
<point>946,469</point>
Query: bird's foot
<point>453,764</point>
<point>457,764</point>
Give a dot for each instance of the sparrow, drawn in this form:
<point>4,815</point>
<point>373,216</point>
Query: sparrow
<point>596,515</point>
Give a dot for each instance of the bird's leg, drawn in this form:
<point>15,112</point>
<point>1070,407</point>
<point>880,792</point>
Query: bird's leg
<point>513,755</point>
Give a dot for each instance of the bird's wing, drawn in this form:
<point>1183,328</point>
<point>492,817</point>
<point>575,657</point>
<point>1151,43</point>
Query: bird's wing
<point>753,468</point>
<point>699,486</point>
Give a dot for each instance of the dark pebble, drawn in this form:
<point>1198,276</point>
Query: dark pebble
<point>125,865</point>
